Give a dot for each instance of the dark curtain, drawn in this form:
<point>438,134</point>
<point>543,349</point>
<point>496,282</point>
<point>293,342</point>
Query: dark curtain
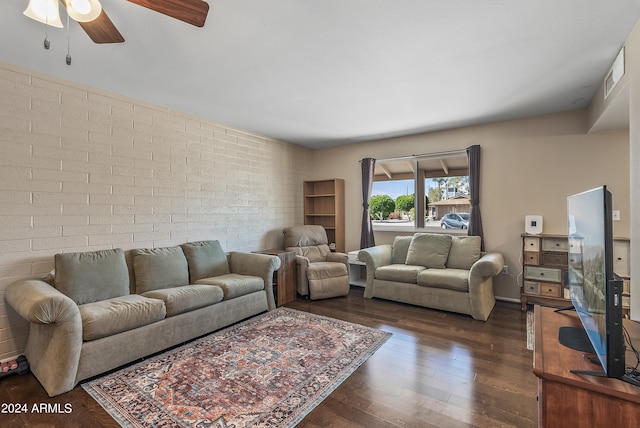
<point>366,237</point>
<point>475,222</point>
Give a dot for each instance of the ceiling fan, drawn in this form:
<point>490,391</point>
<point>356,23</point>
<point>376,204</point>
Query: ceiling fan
<point>97,24</point>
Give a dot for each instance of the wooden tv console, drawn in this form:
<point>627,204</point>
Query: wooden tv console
<point>566,399</point>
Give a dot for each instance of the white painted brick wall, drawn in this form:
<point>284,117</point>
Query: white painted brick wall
<point>82,170</point>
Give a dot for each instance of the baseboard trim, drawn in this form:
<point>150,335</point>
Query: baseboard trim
<point>508,299</point>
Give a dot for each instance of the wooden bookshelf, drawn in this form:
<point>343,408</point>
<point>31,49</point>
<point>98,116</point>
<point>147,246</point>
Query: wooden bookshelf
<point>324,206</point>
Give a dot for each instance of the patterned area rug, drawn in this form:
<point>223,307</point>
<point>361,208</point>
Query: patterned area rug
<point>270,370</point>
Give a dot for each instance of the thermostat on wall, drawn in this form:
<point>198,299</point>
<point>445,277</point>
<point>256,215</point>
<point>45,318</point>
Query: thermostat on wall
<point>533,224</point>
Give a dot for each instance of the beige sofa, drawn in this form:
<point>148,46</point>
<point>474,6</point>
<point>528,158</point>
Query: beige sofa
<point>99,312</point>
<point>434,270</point>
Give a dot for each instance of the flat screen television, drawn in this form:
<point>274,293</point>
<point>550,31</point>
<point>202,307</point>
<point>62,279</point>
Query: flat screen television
<point>596,291</point>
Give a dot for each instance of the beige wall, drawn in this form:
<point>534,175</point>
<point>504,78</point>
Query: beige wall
<point>626,94</point>
<point>528,166</point>
<point>82,170</point>
<point>632,49</point>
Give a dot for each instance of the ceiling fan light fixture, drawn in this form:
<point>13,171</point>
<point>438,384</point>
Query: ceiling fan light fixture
<point>45,11</point>
<point>84,10</point>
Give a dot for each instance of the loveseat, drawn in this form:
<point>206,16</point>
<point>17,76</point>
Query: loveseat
<point>101,310</point>
<point>434,270</point>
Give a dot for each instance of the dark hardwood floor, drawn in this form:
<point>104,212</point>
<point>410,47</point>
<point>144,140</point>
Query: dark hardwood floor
<point>437,370</point>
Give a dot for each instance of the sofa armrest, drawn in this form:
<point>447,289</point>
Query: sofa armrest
<point>255,264</point>
<point>302,283</point>
<point>339,258</point>
<point>302,261</point>
<point>374,257</point>
<point>55,334</point>
<point>40,303</point>
<point>481,296</point>
<point>489,265</point>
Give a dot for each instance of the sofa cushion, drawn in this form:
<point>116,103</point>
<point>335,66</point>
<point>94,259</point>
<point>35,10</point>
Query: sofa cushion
<point>187,297</point>
<point>304,236</point>
<point>92,276</point>
<point>328,287</point>
<point>400,249</point>
<point>324,270</point>
<point>452,279</point>
<point>400,273</point>
<point>235,285</point>
<point>429,250</point>
<point>464,252</point>
<point>205,259</point>
<point>327,279</point>
<point>157,268</point>
<point>112,316</point>
<point>317,253</point>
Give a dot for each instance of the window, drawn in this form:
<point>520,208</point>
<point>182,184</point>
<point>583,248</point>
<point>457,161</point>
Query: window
<point>417,191</point>
<point>390,198</point>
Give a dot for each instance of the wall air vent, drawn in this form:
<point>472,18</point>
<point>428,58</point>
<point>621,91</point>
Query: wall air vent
<point>615,74</point>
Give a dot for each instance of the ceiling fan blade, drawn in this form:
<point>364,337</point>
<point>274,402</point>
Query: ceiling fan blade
<point>101,30</point>
<point>192,12</point>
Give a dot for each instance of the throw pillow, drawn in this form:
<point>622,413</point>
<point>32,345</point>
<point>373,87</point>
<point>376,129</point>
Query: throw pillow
<point>92,276</point>
<point>400,249</point>
<point>429,250</point>
<point>465,251</point>
<point>157,268</point>
<point>206,259</point>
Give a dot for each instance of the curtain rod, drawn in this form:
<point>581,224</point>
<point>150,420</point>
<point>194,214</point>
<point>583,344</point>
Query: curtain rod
<point>449,153</point>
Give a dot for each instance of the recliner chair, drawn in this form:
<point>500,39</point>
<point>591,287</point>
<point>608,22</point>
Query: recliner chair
<point>320,273</point>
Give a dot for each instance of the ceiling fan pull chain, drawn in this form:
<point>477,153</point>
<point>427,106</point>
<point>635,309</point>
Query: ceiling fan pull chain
<point>47,43</point>
<point>68,42</point>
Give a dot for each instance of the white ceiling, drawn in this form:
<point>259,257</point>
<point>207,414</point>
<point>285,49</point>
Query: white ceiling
<point>322,73</point>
